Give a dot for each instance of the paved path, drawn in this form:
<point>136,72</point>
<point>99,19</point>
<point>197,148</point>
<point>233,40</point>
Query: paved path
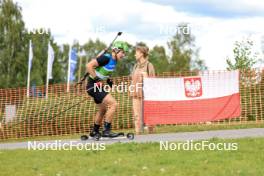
<point>203,135</point>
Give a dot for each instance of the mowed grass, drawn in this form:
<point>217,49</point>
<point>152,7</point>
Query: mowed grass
<point>205,127</point>
<point>133,159</point>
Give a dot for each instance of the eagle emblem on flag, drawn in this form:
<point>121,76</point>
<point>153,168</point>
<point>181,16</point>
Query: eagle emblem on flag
<point>193,87</point>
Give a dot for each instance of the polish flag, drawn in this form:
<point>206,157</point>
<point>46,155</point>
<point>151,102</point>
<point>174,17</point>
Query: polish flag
<point>210,96</point>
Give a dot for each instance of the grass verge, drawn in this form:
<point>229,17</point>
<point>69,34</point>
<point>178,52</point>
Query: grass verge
<point>133,159</point>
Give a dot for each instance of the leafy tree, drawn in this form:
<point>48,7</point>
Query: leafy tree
<point>250,78</point>
<point>14,47</point>
<point>40,58</point>
<point>183,51</point>
<point>91,50</point>
<point>198,64</point>
<point>243,56</point>
<point>13,69</point>
<point>157,56</point>
<point>60,64</point>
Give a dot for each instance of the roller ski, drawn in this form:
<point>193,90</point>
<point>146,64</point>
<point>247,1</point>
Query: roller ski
<point>106,134</point>
<point>99,136</point>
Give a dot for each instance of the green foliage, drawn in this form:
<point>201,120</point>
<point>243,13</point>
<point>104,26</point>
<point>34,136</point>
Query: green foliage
<point>12,45</point>
<point>198,64</point>
<point>40,55</point>
<point>244,60</point>
<point>243,56</point>
<point>183,51</point>
<point>63,59</point>
<point>14,49</point>
<point>158,58</point>
<point>91,50</point>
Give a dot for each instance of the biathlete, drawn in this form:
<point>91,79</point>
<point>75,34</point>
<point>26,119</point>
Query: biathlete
<point>101,69</point>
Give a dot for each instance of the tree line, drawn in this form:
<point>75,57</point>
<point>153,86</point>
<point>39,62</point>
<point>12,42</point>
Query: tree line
<point>14,51</point>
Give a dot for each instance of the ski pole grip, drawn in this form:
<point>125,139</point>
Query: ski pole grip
<point>102,52</point>
<point>83,78</point>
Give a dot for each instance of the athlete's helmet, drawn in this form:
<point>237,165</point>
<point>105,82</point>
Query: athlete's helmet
<point>120,45</point>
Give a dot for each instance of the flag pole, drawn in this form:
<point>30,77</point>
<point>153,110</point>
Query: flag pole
<point>47,80</point>
<point>47,86</point>
<point>69,71</point>
<point>51,57</point>
<point>29,66</point>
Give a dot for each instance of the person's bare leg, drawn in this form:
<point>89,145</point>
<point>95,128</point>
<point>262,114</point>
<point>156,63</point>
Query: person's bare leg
<point>100,113</point>
<point>137,110</point>
<point>111,103</point>
<point>137,114</point>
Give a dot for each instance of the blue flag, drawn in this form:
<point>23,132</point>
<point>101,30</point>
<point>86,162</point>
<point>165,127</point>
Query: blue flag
<point>73,62</point>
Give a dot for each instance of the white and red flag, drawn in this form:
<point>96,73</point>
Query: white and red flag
<point>208,97</point>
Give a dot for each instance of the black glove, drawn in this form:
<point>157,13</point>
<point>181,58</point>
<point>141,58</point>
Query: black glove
<point>109,82</point>
<point>97,79</point>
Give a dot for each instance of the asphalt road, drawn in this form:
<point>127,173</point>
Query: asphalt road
<point>184,136</point>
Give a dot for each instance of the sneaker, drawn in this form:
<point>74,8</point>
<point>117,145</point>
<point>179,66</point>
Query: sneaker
<point>95,131</point>
<point>107,131</point>
<point>109,134</point>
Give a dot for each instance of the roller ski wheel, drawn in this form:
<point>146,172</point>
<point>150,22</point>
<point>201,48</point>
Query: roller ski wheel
<point>97,136</point>
<point>84,137</point>
<point>130,136</point>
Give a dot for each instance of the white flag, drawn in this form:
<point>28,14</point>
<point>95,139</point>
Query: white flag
<point>50,61</point>
<point>30,55</point>
<point>30,58</point>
